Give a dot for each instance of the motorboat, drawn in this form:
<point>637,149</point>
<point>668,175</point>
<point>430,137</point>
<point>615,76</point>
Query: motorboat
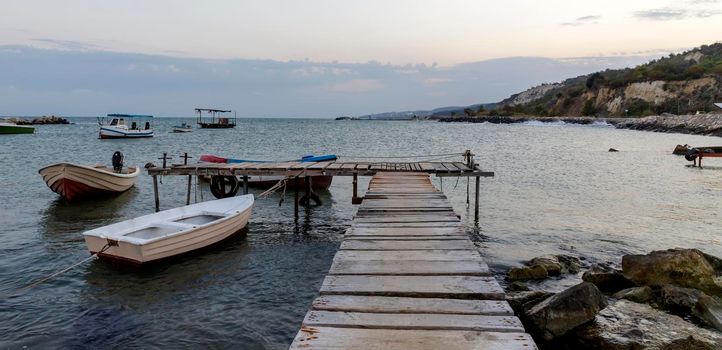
<point>13,128</point>
<point>125,126</point>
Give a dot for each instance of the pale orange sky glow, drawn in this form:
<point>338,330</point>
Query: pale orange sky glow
<point>398,32</point>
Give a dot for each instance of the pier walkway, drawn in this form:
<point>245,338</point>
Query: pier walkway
<point>408,277</point>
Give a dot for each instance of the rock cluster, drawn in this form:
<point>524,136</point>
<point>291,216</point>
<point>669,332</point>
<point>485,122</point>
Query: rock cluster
<point>40,120</point>
<point>545,266</point>
<point>648,304</point>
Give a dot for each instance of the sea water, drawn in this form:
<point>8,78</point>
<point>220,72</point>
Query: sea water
<point>556,190</point>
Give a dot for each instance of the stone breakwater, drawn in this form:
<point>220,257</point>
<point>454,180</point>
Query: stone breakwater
<point>700,124</point>
<point>40,120</point>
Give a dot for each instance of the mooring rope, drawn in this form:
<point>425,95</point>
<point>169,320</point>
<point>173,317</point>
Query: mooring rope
<point>55,274</point>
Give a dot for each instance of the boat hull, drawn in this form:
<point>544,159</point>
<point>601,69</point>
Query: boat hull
<point>117,133</point>
<point>138,253</point>
<point>72,181</point>
<point>16,129</point>
<point>317,183</point>
<point>216,126</point>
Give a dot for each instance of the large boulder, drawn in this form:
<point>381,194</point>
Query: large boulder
<point>709,310</point>
<point>683,267</point>
<point>636,294</point>
<point>522,301</point>
<point>628,325</point>
<point>678,299</point>
<point>549,262</point>
<point>528,273</point>
<point>564,311</point>
<point>606,278</point>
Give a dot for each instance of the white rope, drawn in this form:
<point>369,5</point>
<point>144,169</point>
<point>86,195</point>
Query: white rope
<point>45,279</point>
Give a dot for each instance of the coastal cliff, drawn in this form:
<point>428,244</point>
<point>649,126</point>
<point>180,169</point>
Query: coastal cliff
<point>684,83</point>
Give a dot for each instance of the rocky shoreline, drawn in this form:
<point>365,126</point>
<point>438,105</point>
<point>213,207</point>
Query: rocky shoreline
<point>662,300</point>
<point>44,120</point>
<point>701,124</point>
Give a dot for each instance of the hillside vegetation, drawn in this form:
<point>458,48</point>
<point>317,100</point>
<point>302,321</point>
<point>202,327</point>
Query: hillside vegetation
<point>678,84</point>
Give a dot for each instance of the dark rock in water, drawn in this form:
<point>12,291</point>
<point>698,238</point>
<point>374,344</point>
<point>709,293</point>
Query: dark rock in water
<point>527,273</point>
<point>570,264</point>
<point>678,299</point>
<point>613,150</point>
<point>635,294</point>
<point>606,278</point>
<point>517,286</point>
<point>709,310</point>
<point>628,325</point>
<point>550,263</point>
<point>567,310</point>
<point>683,267</point>
<point>544,266</point>
<point>521,302</point>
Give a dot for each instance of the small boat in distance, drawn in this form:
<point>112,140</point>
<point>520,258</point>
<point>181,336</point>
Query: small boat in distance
<point>171,232</point>
<point>185,127</point>
<point>73,181</point>
<point>125,126</point>
<point>12,128</point>
<point>214,120</point>
<point>318,182</point>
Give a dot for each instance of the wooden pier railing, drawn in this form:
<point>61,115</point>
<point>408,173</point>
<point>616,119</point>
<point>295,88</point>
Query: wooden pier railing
<point>408,277</point>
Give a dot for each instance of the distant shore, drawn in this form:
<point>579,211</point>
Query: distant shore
<point>39,120</point>
<point>700,124</point>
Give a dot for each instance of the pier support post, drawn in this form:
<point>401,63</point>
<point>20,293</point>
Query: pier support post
<point>245,184</point>
<point>188,194</point>
<point>155,193</point>
<point>296,184</point>
<point>355,199</point>
<point>476,203</point>
<point>308,191</point>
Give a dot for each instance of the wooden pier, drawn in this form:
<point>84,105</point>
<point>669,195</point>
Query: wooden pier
<point>408,277</point>
<point>297,170</point>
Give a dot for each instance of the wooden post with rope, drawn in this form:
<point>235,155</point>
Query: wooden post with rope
<point>190,178</point>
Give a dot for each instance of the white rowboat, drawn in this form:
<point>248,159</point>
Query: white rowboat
<point>170,232</point>
<point>74,181</point>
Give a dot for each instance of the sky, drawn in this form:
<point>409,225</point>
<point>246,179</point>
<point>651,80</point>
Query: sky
<point>322,58</point>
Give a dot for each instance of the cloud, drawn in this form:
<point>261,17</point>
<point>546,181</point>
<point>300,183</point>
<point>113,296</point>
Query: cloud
<point>590,19</point>
<point>357,85</point>
<point>65,44</point>
<point>81,82</point>
<point>669,14</point>
<point>435,81</point>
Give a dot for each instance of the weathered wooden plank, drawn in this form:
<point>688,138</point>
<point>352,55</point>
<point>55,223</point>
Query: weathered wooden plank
<point>408,238</point>
<point>320,165</point>
<point>377,304</point>
<point>389,339</point>
<point>410,267</point>
<point>486,323</point>
<point>334,166</point>
<point>407,219</point>
<point>407,224</point>
<point>406,245</point>
<point>426,166</point>
<point>426,255</point>
<point>460,287</point>
<point>462,166</point>
<point>405,231</point>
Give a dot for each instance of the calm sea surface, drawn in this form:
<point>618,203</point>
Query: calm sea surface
<point>556,190</point>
